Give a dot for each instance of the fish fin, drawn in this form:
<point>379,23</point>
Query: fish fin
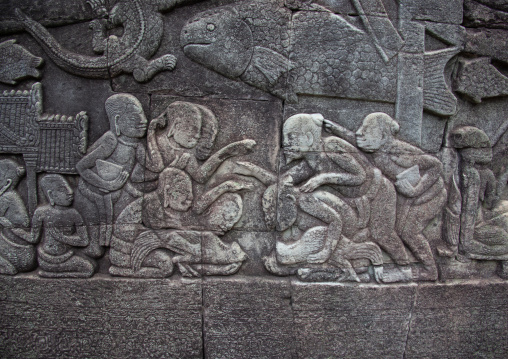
<point>7,43</point>
<point>478,79</point>
<point>437,96</point>
<point>271,64</point>
<point>450,34</point>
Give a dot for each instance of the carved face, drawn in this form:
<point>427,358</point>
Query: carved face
<point>132,122</point>
<point>187,131</point>
<point>178,193</point>
<point>59,192</point>
<point>369,136</point>
<point>219,40</point>
<point>295,143</point>
<point>226,212</point>
<point>10,174</point>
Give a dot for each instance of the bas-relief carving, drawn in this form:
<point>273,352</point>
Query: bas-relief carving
<point>48,143</point>
<point>182,216</point>
<point>363,204</point>
<point>142,26</point>
<point>328,54</point>
<point>344,206</point>
<point>483,228</point>
<point>17,63</point>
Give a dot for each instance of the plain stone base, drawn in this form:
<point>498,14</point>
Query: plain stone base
<point>250,317</point>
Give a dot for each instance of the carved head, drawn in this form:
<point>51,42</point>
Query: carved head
<point>220,40</point>
<point>301,133</point>
<point>377,129</point>
<point>192,125</point>
<point>126,115</point>
<point>10,174</point>
<point>472,143</point>
<point>175,188</point>
<point>57,190</point>
<point>226,212</point>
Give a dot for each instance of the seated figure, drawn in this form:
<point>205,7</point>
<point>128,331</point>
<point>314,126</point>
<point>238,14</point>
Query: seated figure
<point>173,228</point>
<point>316,252</point>
<point>17,252</point>
<point>62,230</point>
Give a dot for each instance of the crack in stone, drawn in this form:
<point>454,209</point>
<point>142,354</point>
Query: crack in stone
<point>409,322</point>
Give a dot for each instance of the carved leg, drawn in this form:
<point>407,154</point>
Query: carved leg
<point>382,224</point>
<point>145,70</point>
<point>74,267</point>
<point>317,204</point>
<point>6,267</point>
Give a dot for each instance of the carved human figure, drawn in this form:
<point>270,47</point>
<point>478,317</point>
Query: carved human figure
<point>62,229</point>
<point>200,251</point>
<point>109,164</point>
<point>340,187</point>
<point>367,199</point>
<point>156,264</point>
<point>417,178</point>
<point>484,214</point>
<point>183,135</point>
<point>314,252</point>
<point>17,252</point>
<point>169,205</point>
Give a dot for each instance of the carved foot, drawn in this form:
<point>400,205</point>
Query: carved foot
<point>397,275</point>
<point>426,274</point>
<point>188,271</point>
<point>503,270</point>
<point>168,62</point>
<point>318,274</point>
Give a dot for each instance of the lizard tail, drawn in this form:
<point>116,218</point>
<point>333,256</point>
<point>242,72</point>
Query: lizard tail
<point>77,64</point>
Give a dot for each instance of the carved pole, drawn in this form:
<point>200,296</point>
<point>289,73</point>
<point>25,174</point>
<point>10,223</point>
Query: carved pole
<point>31,176</point>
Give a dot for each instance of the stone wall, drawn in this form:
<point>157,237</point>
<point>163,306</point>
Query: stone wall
<point>256,178</point>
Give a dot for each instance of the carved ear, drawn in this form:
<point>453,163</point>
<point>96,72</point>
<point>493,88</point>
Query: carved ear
<point>310,138</point>
<point>171,130</point>
<point>6,187</point>
<point>20,171</point>
<point>50,198</point>
<point>394,127</point>
<point>117,130</point>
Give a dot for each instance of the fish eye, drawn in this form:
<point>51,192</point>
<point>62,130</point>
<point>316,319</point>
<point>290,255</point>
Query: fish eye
<point>210,27</point>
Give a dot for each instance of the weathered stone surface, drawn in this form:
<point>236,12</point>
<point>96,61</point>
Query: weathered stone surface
<point>254,318</point>
<point>100,318</point>
<point>256,147</point>
<point>458,320</point>
<point>354,322</point>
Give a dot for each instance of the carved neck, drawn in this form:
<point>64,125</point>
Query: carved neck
<point>128,141</point>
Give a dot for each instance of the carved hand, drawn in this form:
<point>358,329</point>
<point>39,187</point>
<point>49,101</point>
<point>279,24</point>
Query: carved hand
<point>241,147</point>
<point>403,186</point>
<point>4,222</point>
<point>328,125</point>
<point>244,168</point>
<point>235,186</point>
<point>118,182</point>
<point>159,122</point>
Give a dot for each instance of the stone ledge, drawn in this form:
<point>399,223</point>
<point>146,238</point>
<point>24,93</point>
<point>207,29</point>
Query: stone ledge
<point>250,317</point>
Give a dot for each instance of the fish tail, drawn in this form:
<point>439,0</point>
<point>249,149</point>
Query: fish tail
<point>437,96</point>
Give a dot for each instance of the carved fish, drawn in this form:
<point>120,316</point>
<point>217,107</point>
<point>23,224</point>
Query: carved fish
<point>478,79</point>
<point>17,63</point>
<point>266,45</point>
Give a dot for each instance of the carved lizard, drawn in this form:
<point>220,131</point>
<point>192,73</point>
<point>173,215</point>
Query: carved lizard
<point>129,53</point>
